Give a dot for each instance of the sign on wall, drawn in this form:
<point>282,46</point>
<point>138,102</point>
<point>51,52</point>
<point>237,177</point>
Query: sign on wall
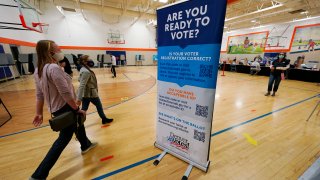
<point>189,42</point>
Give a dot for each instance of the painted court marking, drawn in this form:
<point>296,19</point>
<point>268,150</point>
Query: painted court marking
<point>106,158</point>
<point>250,139</point>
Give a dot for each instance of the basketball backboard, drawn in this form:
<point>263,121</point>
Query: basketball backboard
<point>20,15</point>
<point>115,38</point>
<point>29,17</point>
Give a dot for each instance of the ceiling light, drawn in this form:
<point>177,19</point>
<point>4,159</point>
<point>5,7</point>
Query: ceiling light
<point>225,27</point>
<point>253,20</point>
<point>308,18</point>
<point>60,10</point>
<point>163,1</point>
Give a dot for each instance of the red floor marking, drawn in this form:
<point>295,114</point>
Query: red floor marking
<point>104,126</point>
<point>106,158</point>
<point>253,110</point>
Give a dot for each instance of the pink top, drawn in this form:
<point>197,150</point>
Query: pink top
<point>60,87</point>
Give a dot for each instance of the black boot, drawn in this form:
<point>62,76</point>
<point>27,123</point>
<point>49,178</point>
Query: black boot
<point>268,93</point>
<point>106,120</point>
<point>273,94</point>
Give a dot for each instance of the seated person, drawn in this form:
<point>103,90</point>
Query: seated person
<point>245,62</point>
<point>298,62</point>
<point>255,68</point>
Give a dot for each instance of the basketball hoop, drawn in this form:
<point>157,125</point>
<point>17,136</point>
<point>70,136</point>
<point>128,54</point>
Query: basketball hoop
<point>43,26</point>
<point>29,18</point>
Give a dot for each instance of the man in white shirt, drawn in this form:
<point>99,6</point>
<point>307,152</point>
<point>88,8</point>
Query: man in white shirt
<point>113,66</point>
<point>255,68</point>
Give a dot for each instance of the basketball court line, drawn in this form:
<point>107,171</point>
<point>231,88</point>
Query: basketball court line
<point>126,76</point>
<point>214,134</point>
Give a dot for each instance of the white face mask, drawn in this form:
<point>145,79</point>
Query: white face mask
<point>58,56</point>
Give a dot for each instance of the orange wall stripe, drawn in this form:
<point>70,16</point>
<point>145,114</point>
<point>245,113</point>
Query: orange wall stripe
<point>106,48</point>
<point>16,42</point>
<point>30,44</point>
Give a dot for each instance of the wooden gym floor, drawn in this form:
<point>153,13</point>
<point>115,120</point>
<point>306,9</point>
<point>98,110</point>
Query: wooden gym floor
<point>287,144</point>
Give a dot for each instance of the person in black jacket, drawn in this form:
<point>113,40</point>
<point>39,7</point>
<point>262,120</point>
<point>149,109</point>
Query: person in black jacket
<point>276,69</point>
<point>65,64</point>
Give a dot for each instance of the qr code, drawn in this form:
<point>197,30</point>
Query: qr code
<point>206,71</point>
<point>202,111</point>
<point>200,136</point>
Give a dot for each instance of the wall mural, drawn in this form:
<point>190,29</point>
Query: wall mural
<point>253,43</point>
<point>306,39</point>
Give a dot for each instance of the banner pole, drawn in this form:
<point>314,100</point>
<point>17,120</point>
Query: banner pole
<point>187,173</point>
<point>157,161</point>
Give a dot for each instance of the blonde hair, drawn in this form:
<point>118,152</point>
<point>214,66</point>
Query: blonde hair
<point>44,49</point>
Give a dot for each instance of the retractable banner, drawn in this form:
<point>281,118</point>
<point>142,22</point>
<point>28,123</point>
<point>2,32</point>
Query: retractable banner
<point>189,42</point>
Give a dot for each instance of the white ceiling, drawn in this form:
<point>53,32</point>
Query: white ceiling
<point>240,13</point>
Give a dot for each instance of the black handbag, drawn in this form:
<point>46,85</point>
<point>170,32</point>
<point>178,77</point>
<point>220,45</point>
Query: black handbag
<point>57,123</point>
<point>66,119</point>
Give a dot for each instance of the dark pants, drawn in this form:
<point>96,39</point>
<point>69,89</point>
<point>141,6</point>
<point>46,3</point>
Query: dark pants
<point>113,70</point>
<point>58,146</point>
<point>96,101</point>
<point>274,80</point>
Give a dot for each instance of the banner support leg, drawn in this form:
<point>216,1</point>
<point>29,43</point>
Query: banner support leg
<point>157,161</point>
<point>187,173</point>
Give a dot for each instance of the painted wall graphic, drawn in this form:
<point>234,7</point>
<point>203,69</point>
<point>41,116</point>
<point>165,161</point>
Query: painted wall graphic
<point>253,43</point>
<point>306,39</point>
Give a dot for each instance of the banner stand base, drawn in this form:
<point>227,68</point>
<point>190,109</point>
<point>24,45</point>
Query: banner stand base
<point>165,151</point>
<point>187,173</point>
<point>157,161</point>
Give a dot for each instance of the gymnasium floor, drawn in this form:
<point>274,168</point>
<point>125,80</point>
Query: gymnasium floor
<point>287,144</point>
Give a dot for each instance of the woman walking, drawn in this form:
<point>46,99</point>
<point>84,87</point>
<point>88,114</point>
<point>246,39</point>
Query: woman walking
<point>88,89</point>
<point>55,87</point>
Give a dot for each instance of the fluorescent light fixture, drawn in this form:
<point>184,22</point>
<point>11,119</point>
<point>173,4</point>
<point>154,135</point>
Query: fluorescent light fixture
<point>60,10</point>
<point>308,18</point>
<point>225,27</point>
<point>163,1</point>
<point>255,12</point>
<point>304,12</point>
<point>253,20</point>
